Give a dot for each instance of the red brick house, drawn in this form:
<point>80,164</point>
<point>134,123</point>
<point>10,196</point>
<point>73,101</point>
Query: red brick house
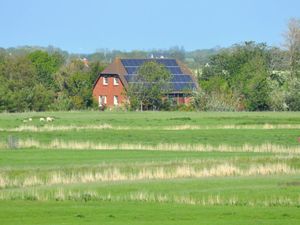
<point>110,87</point>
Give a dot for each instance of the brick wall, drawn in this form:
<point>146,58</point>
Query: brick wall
<point>110,90</point>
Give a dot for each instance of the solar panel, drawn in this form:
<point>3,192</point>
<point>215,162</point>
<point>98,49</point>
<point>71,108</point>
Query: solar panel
<point>167,62</point>
<point>176,78</point>
<point>186,78</point>
<point>182,78</point>
<point>131,70</point>
<point>179,81</point>
<point>128,78</point>
<point>139,62</point>
<point>174,70</point>
<point>183,86</point>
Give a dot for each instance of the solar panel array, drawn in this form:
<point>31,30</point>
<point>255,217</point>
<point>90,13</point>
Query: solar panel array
<point>179,81</point>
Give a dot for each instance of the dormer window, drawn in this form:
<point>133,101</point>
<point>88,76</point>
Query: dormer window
<point>116,81</point>
<point>105,80</point>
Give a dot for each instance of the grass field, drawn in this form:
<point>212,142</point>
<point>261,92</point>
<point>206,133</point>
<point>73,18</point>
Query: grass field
<point>150,168</point>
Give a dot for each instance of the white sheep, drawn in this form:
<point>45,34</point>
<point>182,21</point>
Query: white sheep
<point>42,119</point>
<point>25,121</point>
<point>30,119</point>
<point>49,119</point>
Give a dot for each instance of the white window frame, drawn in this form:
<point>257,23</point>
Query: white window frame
<point>116,100</point>
<point>102,100</point>
<point>105,80</point>
<point>116,81</point>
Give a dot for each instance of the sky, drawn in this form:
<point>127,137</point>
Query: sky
<point>84,26</point>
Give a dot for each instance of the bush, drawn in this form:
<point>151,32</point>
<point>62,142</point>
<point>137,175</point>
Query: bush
<point>215,101</point>
<point>293,96</point>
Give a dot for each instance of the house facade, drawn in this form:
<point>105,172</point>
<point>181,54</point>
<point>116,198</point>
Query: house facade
<point>110,87</point>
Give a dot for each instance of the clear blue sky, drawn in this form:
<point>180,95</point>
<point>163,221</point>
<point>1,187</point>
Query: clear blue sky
<point>86,25</point>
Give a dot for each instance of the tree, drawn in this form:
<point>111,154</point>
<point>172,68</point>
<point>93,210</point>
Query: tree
<point>149,87</point>
<point>251,83</point>
<point>19,77</point>
<point>177,52</point>
<point>46,65</point>
<point>243,70</point>
<point>41,98</point>
<point>293,95</point>
<point>278,59</point>
<point>74,86</point>
<point>292,43</point>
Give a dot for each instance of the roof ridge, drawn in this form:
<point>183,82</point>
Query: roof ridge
<point>145,58</point>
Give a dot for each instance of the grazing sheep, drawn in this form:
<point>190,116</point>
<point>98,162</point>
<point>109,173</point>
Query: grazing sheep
<point>49,119</point>
<point>30,119</point>
<point>42,119</point>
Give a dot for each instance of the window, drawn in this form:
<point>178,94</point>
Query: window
<point>105,80</point>
<point>102,100</point>
<point>116,100</point>
<point>116,81</point>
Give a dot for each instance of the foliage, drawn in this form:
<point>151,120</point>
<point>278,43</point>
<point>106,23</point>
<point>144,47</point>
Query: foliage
<point>75,80</point>
<point>293,95</point>
<point>46,65</point>
<point>249,76</point>
<point>39,81</point>
<point>292,44</point>
<point>240,74</point>
<point>149,87</point>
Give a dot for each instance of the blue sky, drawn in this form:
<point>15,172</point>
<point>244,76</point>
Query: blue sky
<point>87,25</point>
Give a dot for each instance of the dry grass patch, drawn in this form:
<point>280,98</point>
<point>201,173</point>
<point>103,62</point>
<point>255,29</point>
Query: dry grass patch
<point>50,128</point>
<point>77,145</point>
<point>53,128</point>
<point>142,196</point>
<point>159,173</point>
<point>234,127</point>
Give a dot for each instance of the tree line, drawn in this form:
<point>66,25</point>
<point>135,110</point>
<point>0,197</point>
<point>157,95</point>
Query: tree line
<point>253,77</point>
<point>249,76</point>
<point>40,81</point>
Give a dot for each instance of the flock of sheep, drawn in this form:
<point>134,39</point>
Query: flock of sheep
<point>42,119</point>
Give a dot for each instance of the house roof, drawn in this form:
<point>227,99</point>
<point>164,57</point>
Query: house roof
<point>182,79</point>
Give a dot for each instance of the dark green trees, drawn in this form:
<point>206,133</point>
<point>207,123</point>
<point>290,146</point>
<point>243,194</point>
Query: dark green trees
<point>46,65</point>
<point>240,73</point>
<point>39,81</point>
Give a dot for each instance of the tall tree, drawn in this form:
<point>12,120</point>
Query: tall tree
<point>18,80</point>
<point>292,43</point>
<point>46,65</point>
<point>74,86</point>
<point>244,70</point>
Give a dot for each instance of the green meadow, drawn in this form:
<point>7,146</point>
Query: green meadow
<point>150,168</point>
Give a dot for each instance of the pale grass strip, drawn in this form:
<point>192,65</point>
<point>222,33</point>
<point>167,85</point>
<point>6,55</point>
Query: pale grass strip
<point>77,145</point>
<point>53,128</point>
<point>143,196</point>
<point>234,127</point>
<point>49,128</point>
<point>158,173</point>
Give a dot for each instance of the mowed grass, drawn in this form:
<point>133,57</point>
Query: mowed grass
<point>70,213</point>
<point>214,136</point>
<point>156,127</point>
<point>30,158</point>
<point>47,185</point>
<point>153,118</point>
